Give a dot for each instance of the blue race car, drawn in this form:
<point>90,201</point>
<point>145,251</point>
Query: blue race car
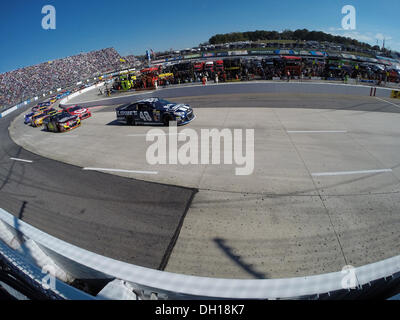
<point>28,117</point>
<point>40,107</point>
<point>154,111</point>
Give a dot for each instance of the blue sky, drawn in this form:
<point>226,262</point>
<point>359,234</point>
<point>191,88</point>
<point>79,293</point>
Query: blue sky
<point>132,26</point>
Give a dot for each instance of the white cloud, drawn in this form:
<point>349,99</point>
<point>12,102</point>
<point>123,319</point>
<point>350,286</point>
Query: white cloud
<point>332,29</point>
<point>367,37</point>
<point>358,36</point>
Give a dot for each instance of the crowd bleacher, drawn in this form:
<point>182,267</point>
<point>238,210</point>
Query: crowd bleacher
<point>28,82</point>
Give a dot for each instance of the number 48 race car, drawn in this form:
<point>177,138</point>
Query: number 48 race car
<point>154,111</point>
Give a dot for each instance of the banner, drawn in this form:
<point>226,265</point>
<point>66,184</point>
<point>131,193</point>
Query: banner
<point>192,56</point>
<point>206,55</point>
<point>238,53</point>
<point>318,53</point>
<point>349,56</point>
<point>305,53</point>
<point>261,52</point>
<point>159,61</point>
<point>290,52</point>
<point>165,75</point>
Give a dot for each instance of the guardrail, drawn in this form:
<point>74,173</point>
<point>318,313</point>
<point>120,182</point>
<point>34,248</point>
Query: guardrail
<point>75,94</point>
<point>146,283</point>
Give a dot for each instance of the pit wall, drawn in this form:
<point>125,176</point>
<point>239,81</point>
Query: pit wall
<point>78,93</point>
<point>232,88</point>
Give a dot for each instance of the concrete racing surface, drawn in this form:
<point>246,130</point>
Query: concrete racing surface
<point>125,219</point>
<point>324,192</point>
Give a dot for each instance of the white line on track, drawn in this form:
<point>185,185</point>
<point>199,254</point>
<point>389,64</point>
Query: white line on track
<point>393,104</point>
<point>343,173</point>
<point>21,160</point>
<point>326,131</point>
<point>120,170</point>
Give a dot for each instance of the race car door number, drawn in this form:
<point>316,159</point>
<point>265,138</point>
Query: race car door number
<point>145,116</point>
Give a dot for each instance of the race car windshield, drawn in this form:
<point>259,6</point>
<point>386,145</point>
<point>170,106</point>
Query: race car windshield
<point>75,108</point>
<point>162,102</point>
<point>63,115</point>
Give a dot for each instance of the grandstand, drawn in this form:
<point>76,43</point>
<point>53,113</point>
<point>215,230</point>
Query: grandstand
<point>22,84</point>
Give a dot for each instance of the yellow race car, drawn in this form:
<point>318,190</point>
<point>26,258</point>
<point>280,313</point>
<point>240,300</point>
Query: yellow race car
<point>53,99</point>
<point>37,119</point>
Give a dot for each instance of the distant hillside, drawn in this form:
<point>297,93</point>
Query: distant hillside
<point>300,34</point>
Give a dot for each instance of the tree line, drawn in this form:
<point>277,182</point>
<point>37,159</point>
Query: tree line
<point>297,35</point>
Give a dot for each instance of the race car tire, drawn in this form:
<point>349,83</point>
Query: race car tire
<point>130,121</point>
<point>166,120</point>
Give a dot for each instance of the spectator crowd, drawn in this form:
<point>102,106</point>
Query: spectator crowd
<point>28,82</point>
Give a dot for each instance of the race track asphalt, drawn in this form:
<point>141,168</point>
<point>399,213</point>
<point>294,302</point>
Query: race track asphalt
<point>125,219</point>
<point>282,221</point>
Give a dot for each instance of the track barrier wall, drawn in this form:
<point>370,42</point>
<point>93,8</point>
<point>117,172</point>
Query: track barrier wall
<point>22,104</point>
<point>147,283</point>
<point>75,94</point>
<point>126,280</point>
